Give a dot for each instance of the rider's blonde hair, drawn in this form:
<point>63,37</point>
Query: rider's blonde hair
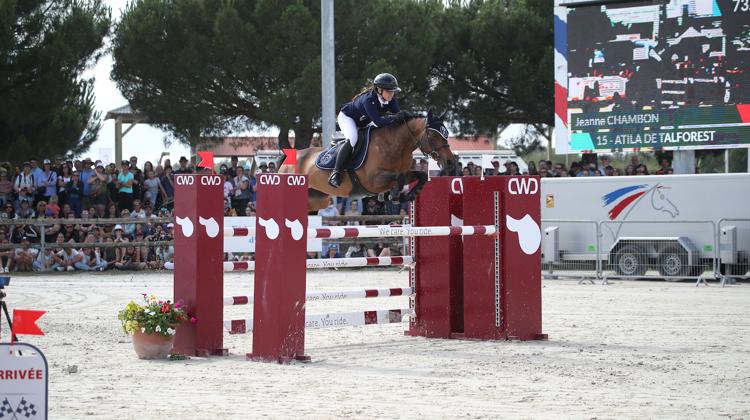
<point>367,89</point>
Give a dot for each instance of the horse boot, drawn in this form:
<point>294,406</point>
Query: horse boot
<point>341,159</point>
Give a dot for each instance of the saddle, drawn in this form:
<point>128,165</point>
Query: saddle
<point>327,158</point>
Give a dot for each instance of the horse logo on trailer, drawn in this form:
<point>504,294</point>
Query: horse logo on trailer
<point>624,200</point>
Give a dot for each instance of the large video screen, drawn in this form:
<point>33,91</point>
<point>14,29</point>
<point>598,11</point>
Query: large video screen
<point>653,75</point>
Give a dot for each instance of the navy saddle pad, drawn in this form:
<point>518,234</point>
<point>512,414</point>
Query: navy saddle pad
<point>327,158</point>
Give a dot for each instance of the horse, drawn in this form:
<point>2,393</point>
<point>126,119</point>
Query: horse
<point>387,164</point>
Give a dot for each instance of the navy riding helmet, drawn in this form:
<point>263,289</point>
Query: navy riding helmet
<point>386,81</point>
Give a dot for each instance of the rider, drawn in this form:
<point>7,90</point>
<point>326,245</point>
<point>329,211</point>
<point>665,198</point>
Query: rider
<point>367,108</point>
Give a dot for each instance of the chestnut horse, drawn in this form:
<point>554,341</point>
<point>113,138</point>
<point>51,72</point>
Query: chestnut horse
<point>387,164</point>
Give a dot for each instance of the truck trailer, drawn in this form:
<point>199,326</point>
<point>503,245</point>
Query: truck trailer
<point>670,226</point>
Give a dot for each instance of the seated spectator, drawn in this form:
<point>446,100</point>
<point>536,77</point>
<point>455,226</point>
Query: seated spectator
<point>379,250</point>
<point>90,260</point>
<point>128,228</point>
<point>131,260</point>
<point>137,212</point>
<point>66,258</point>
<point>6,188</point>
<point>25,256</point>
<point>53,208</point>
<point>250,210</point>
<point>372,209</point>
<point>355,250</point>
<point>332,251</point>
<point>45,261</point>
<point>6,256</point>
<point>118,237</point>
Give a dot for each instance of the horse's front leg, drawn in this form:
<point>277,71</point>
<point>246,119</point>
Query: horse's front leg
<point>421,178</point>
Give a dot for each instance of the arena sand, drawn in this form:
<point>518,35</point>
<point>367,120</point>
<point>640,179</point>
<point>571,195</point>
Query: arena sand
<point>628,350</point>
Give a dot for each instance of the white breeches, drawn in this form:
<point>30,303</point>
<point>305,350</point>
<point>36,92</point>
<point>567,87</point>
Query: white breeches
<point>348,127</point>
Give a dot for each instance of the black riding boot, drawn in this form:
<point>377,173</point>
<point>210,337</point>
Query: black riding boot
<point>341,159</point>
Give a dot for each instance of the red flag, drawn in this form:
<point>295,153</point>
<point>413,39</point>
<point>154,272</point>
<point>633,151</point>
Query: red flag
<point>291,157</point>
<point>24,322</point>
<point>207,160</point>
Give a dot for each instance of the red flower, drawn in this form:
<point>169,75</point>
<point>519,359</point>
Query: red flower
<point>165,308</point>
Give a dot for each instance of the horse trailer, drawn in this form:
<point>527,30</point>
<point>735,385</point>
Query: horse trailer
<point>668,226</point>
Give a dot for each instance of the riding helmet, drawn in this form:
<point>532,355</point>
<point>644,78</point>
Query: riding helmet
<point>386,81</point>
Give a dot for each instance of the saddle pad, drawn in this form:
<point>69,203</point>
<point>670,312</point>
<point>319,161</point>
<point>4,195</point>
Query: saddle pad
<point>327,158</point>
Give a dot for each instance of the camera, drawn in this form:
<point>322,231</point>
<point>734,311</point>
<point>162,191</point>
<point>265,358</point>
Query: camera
<point>4,281</point>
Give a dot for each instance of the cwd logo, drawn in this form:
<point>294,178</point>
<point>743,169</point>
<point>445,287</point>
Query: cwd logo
<point>210,180</point>
<point>184,179</point>
<point>296,180</point>
<point>518,186</point>
<point>457,186</point>
<point>268,179</point>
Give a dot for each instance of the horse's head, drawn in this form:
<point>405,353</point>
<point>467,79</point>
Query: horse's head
<point>435,144</point>
<point>660,201</point>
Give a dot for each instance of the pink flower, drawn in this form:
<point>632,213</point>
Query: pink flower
<point>193,320</point>
<point>177,305</point>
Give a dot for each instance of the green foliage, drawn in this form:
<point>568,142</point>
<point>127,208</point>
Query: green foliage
<point>45,46</point>
<point>203,68</point>
<point>153,316</point>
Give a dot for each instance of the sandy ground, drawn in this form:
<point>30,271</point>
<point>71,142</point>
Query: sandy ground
<point>627,350</point>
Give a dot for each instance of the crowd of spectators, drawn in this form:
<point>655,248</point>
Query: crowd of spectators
<point>91,191</point>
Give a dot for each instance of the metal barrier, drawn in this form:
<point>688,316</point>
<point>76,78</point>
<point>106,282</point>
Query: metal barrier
<point>569,249</point>
<point>734,249</point>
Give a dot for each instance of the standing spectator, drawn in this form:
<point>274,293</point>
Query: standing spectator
<point>532,168</point>
<point>167,186</point>
<point>36,170</point>
<point>6,188</point>
<point>152,187</point>
<point>241,195</point>
<point>24,186</point>
<point>137,177</point>
<point>124,186</point>
<point>118,238</point>
<point>25,256</point>
<point>641,170</point>
<point>74,192</point>
<point>232,170</point>
<point>85,173</point>
<point>183,169</point>
<point>228,187</point>
<point>466,171</point>
<point>372,209</point>
<point>353,210</point>
<point>63,178</point>
<point>98,190</point>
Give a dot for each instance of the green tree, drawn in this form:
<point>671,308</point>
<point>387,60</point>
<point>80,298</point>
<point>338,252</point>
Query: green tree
<point>497,64</point>
<point>45,104</point>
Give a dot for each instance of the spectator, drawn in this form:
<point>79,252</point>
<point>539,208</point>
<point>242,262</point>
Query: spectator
<point>543,173</point>
<point>6,256</point>
<point>329,211</point>
<point>241,191</point>
<point>372,209</point>
<point>6,188</point>
<point>355,250</point>
<point>124,186</point>
<point>183,169</point>
<point>129,228</point>
<point>63,178</point>
<point>605,161</point>
<point>232,170</point>
<point>629,170</point>
<point>53,208</point>
<point>25,256</point>
<point>137,212</point>
<point>466,171</point>
<point>641,170</point>
<point>250,210</point>
<point>353,211</point>
<point>153,188</point>
<point>74,193</point>
<point>90,260</point>
<point>131,260</point>
<point>379,250</point>
<point>85,173</point>
<point>66,258</point>
<point>9,211</point>
<point>272,167</point>
<point>98,190</point>
<point>112,211</point>
<point>533,170</point>
<point>332,251</point>
<point>168,188</point>
<point>477,170</point>
<point>118,238</point>
<point>24,186</point>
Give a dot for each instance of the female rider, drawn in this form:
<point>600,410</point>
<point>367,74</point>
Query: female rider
<point>367,108</point>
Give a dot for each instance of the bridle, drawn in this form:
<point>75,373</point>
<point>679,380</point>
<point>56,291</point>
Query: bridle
<point>420,142</point>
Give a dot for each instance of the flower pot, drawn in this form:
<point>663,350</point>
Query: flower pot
<point>152,346</point>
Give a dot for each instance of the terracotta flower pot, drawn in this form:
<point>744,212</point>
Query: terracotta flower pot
<point>152,346</point>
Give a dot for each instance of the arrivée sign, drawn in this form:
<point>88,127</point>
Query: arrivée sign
<point>23,382</point>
